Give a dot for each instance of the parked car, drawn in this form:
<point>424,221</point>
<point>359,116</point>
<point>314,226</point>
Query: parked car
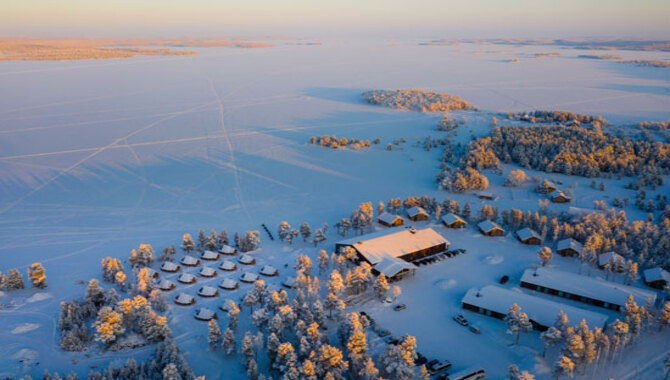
<point>383,333</point>
<point>504,279</point>
<point>399,307</point>
<point>475,329</point>
<point>468,374</point>
<point>420,359</point>
<point>392,340</point>
<point>436,366</point>
<point>460,319</point>
<point>369,318</point>
<point>460,251</point>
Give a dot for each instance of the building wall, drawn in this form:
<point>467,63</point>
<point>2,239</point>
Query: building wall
<point>571,296</point>
<point>568,252</point>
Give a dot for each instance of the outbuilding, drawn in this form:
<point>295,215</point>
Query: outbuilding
<point>590,290</point>
<point>569,247</point>
<point>208,291</point>
<point>394,269</point>
<point>616,261</point>
<point>184,299</point>
<point>228,250</point>
<point>165,285</point>
<point>170,267</point>
<point>207,272</point>
<point>249,277</point>
<point>210,256</point>
<point>190,261</point>
<point>186,278</point>
<point>246,260</point>
<point>490,228</point>
<point>657,278</point>
<point>228,266</point>
<point>269,270</point>
<point>390,220</point>
<point>289,282</point>
<point>528,236</point>
<point>557,196</point>
<point>205,314</point>
<point>417,214</point>
<point>227,304</point>
<point>228,284</point>
<point>452,220</point>
<point>487,196</point>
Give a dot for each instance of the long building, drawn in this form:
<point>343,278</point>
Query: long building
<point>384,248</point>
<point>589,290</point>
<point>495,302</point>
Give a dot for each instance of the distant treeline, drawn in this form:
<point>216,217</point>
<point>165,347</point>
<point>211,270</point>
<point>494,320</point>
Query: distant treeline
<point>416,100</point>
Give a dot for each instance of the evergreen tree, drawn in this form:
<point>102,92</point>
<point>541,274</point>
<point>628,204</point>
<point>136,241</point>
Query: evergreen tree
<point>94,292</point>
<point>466,211</point>
<point>14,280</point>
<point>283,230</point>
<point>324,262</point>
<point>551,337</point>
<point>545,255</point>
<point>305,231</point>
<point>214,334</point>
<point>170,372</point>
<point>229,342</point>
<point>381,286</point>
<point>223,238</point>
<point>563,367</point>
<point>233,316</point>
<point>201,240</point>
<point>318,236</point>
<point>187,243</point>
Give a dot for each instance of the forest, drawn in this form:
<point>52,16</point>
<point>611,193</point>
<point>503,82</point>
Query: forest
<point>416,100</point>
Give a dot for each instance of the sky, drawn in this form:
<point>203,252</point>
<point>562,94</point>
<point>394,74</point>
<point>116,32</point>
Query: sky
<point>319,18</point>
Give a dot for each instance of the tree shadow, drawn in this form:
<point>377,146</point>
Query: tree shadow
<point>333,94</point>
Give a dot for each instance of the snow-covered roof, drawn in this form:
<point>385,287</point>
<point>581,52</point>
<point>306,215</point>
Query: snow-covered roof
<point>207,272</point>
<point>246,259</point>
<point>591,287</point>
<point>488,225</point>
<point>569,243</point>
<point>289,282</point>
<point>451,218</point>
<point>169,266</point>
<point>268,270</point>
<point>394,243</point>
<point>152,273</point>
<point>205,314</point>
<point>416,210</point>
<point>392,266</point>
<point>208,291</point>
<point>209,255</point>
<point>227,265</point>
<point>486,195</point>
<point>388,218</point>
<point>225,306</point>
<point>557,193</point>
<point>607,257</point>
<point>227,250</point>
<point>184,299</point>
<point>249,277</point>
<point>190,261</point>
<point>527,233</point>
<point>538,309</point>
<point>228,283</point>
<point>656,274</point>
<point>186,278</point>
<point>165,284</point>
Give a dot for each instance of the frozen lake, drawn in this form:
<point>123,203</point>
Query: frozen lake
<point>97,157</point>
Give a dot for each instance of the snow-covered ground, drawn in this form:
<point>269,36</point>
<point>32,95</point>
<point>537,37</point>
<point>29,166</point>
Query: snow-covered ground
<point>98,157</point>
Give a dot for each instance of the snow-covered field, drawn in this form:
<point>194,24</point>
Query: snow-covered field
<point>98,157</point>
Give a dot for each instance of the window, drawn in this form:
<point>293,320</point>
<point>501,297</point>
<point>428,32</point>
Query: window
<point>560,294</point>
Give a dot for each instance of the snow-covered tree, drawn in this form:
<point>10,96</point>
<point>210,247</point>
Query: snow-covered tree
<point>168,254</point>
<point>370,371</point>
<point>517,322</point>
<point>214,333</point>
<point>108,326</point>
<point>94,292</point>
<point>318,237</point>
<point>143,257</point>
<point>396,291</point>
<point>305,231</point>
<point>37,275</point>
<point>304,265</point>
<point>187,243</point>
<point>344,226</point>
<point>664,316</point>
<point>170,372</point>
<point>110,267</point>
<point>393,365</point>
<point>381,286</point>
<point>550,338</point>
<point>228,343</point>
<point>252,369</point>
<point>329,360</point>
<point>247,348</point>
<point>222,239</point>
<point>563,367</point>
<point>233,316</point>
<point>362,217</point>
<point>544,255</point>
<point>324,262</point>
<point>516,178</point>
<point>283,230</point>
<point>14,280</point>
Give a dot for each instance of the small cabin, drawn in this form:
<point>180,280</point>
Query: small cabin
<point>557,196</point>
<point>548,186</point>
<point>452,220</point>
<point>208,291</point>
<point>569,247</point>
<point>657,278</point>
<point>289,282</point>
<point>228,250</point>
<point>186,278</point>
<point>490,228</point>
<point>228,284</point>
<point>184,299</point>
<point>207,272</point>
<point>152,273</point>
<point>227,305</point>
<point>390,220</point>
<point>190,261</point>
<point>210,256</point>
<point>269,270</point>
<point>248,277</point>
<point>487,196</point>
<point>165,285</point>
<point>228,266</point>
<point>417,214</point>
<point>528,236</point>
<point>204,314</point>
<point>170,267</point>
<point>246,260</point>
<point>611,258</point>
